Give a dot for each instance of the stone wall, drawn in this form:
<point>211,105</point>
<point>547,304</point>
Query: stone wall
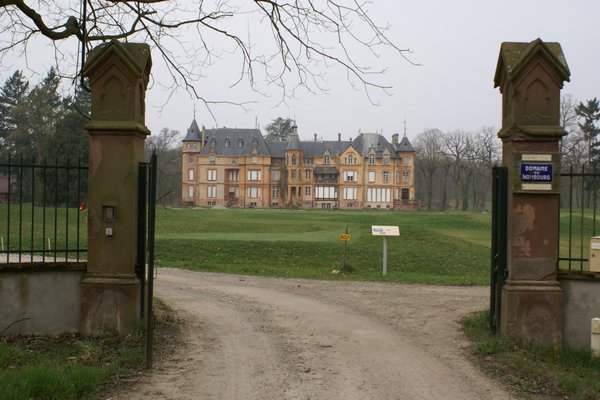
<point>581,297</point>
<point>46,299</point>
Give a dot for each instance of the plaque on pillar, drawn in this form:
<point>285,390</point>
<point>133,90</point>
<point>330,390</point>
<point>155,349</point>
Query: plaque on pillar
<point>536,172</point>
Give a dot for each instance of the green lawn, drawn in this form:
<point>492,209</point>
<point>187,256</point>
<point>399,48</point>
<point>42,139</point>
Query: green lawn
<point>438,248</point>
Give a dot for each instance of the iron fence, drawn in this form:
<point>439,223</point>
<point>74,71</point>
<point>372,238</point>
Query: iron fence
<point>43,212</point>
<point>577,217</point>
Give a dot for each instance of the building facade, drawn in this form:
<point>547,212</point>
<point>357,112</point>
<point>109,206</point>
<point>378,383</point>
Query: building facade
<point>238,168</point>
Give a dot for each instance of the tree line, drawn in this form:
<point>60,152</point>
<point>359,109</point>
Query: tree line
<point>453,169</point>
<point>39,125</point>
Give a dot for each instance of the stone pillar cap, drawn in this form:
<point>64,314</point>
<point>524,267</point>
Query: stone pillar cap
<point>514,56</point>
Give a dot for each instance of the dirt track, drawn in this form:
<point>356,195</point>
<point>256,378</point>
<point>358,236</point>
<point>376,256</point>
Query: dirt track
<point>265,338</point>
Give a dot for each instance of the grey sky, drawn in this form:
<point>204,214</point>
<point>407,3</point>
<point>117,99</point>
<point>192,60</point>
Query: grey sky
<point>456,41</point>
<point>458,44</point>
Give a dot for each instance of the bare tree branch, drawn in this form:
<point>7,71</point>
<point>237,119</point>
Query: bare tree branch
<point>307,36</point>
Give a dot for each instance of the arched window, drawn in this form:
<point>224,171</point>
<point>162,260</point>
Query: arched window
<point>350,159</point>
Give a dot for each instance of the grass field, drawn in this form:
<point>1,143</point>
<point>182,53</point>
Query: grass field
<point>437,248</point>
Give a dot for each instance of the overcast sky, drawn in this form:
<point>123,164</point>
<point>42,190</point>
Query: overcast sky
<point>457,42</point>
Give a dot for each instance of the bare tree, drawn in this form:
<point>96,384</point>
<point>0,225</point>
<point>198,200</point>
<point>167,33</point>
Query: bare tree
<point>167,146</point>
<point>429,159</point>
<point>458,148</point>
<point>486,155</point>
<point>573,146</point>
<point>305,36</point>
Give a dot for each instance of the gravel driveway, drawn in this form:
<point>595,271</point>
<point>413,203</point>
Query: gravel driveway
<point>248,337</point>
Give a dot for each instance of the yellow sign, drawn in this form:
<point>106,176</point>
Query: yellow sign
<point>345,236</point>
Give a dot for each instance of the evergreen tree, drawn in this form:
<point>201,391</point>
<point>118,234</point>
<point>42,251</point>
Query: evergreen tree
<point>279,130</point>
<point>590,114</point>
<point>12,98</point>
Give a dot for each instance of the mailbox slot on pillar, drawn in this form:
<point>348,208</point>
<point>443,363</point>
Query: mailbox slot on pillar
<point>108,215</point>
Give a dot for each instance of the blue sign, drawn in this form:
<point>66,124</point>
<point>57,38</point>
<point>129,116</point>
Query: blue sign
<point>536,172</point>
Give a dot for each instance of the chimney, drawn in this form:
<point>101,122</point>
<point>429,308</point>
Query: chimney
<point>395,138</point>
<point>339,137</point>
<point>315,137</point>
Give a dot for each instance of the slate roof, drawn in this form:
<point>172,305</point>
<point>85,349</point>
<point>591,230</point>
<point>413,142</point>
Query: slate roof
<point>241,141</point>
<point>405,145</point>
<point>193,132</point>
<point>363,143</point>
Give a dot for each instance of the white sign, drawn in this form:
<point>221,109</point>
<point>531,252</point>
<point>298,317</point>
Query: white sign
<point>382,230</point>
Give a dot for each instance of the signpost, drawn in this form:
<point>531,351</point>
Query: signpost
<point>385,231</point>
<point>345,237</point>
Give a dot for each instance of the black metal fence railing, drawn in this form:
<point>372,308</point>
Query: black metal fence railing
<point>43,212</point>
<point>577,218</point>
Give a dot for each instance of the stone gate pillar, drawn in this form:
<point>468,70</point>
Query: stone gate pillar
<point>530,77</point>
<point>118,75</point>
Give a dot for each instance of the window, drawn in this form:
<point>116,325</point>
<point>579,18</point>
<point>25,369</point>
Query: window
<point>386,176</point>
<point>386,159</point>
<point>253,192</point>
<point>191,146</point>
<point>307,161</point>
<point>254,175</point>
<point>212,203</point>
<point>350,159</point>
<point>211,159</point>
<point>405,176</point>
<point>211,193</point>
<point>371,176</point>
<point>275,204</point>
<point>293,159</point>
<point>326,192</point>
<point>378,195</point>
<point>227,143</point>
<point>405,193</point>
<point>211,174</point>
<point>190,191</point>
<point>191,159</point>
<point>371,159</point>
<point>350,176</point>
<point>233,175</point>
<point>275,175</point>
<point>240,143</point>
<point>253,159</point>
<point>307,174</point>
<point>293,174</point>
<point>307,190</point>
<point>191,175</point>
<point>350,193</point>
<point>326,159</point>
<point>275,192</point>
<point>232,160</point>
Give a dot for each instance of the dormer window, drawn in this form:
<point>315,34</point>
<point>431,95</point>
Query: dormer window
<point>326,159</point>
<point>240,143</point>
<point>227,143</point>
<point>386,159</point>
<point>350,159</point>
<point>371,159</point>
